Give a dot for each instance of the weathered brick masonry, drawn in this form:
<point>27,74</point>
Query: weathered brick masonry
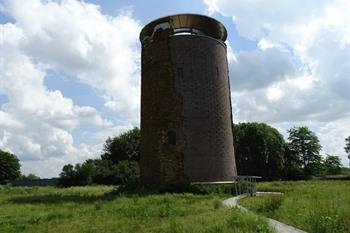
<point>186,133</point>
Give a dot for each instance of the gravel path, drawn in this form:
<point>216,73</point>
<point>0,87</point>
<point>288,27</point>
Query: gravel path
<point>278,226</point>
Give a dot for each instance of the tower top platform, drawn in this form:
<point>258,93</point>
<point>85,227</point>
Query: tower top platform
<point>186,23</point>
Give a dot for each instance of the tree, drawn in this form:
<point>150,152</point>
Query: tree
<point>9,167</point>
<point>99,172</point>
<point>123,147</point>
<point>67,176</point>
<point>259,150</point>
<point>304,144</point>
<point>124,172</point>
<point>127,172</point>
<point>105,172</point>
<point>118,163</point>
<point>29,177</point>
<point>85,173</point>
<point>347,147</point>
<point>332,165</point>
<point>292,165</point>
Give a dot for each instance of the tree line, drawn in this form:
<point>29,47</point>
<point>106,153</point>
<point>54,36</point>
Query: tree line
<point>10,168</point>
<point>259,150</point>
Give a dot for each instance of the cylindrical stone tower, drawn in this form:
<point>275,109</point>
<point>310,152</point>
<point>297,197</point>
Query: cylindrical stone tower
<point>186,120</point>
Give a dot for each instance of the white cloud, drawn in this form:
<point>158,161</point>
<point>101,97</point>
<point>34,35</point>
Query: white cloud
<point>35,122</point>
<point>307,79</point>
<point>52,166</point>
<point>332,136</point>
<point>72,37</point>
<point>110,132</point>
<point>274,93</point>
<point>254,18</point>
<point>101,51</point>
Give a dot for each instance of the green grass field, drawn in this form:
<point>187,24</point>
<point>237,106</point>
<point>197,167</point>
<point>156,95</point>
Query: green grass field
<point>314,206</point>
<point>103,209</point>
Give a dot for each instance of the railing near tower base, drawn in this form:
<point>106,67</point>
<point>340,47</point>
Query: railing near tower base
<point>241,184</point>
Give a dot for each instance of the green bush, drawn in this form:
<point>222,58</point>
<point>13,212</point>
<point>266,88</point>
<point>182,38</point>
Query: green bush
<point>270,204</point>
<point>273,202</point>
<point>100,172</point>
<point>127,172</point>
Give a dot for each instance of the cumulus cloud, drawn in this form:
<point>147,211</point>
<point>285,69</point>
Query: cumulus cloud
<point>332,137</point>
<point>75,38</point>
<point>52,166</point>
<point>35,122</point>
<point>306,78</point>
<point>254,19</point>
<point>101,51</point>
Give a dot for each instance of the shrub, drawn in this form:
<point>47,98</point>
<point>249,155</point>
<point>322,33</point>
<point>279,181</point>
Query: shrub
<point>100,172</point>
<point>127,172</point>
<point>273,203</point>
<point>270,204</point>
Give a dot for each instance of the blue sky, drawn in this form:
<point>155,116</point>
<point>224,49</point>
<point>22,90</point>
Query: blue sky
<point>70,71</point>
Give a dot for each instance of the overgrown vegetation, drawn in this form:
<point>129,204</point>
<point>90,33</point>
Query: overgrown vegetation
<point>269,204</point>
<point>105,209</point>
<point>314,206</point>
<point>118,164</point>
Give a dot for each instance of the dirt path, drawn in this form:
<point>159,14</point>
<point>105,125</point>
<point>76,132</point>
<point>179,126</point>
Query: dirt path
<point>278,226</point>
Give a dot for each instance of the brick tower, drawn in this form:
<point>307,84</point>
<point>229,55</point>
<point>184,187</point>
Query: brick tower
<point>186,120</point>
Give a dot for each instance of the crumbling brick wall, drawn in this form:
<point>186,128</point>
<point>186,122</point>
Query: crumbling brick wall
<point>162,140</point>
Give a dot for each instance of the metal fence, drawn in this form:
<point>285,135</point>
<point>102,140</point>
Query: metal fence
<point>245,185</point>
<point>241,184</point>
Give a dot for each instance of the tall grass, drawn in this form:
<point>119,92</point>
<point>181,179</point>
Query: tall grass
<point>105,209</point>
<point>314,206</point>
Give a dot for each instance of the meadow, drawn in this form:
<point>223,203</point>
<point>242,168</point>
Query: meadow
<point>314,206</point>
<point>106,209</point>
